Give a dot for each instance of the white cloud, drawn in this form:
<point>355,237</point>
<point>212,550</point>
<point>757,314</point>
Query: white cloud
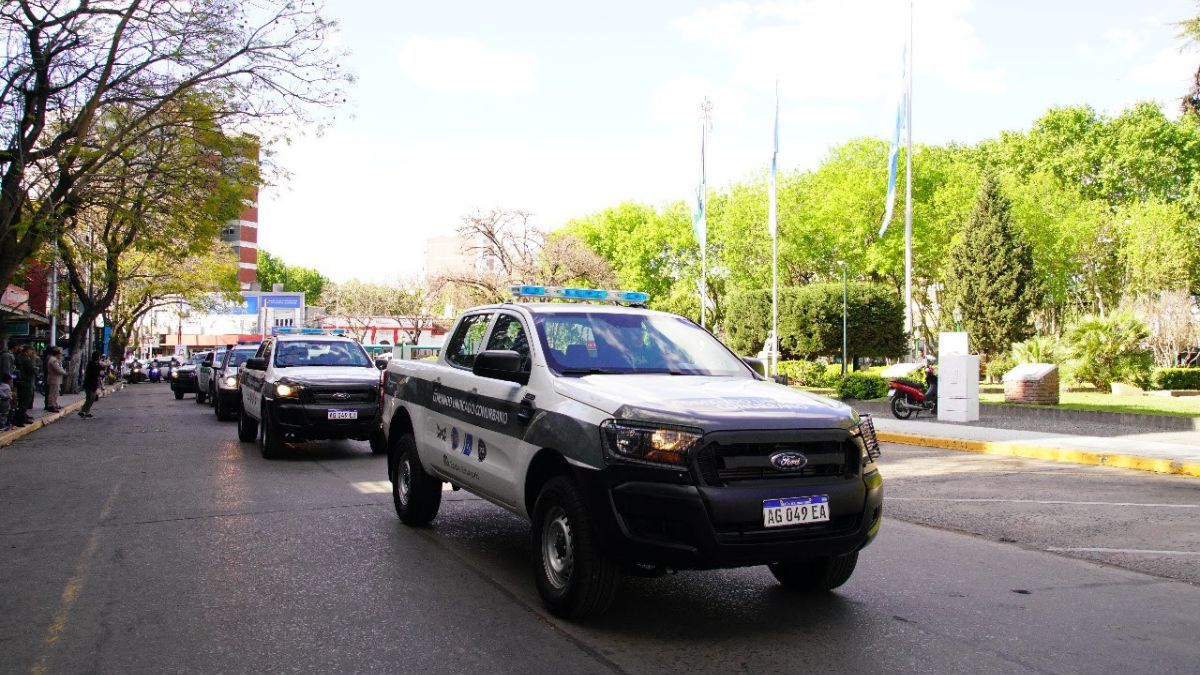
<point>844,51</point>
<point>1168,67</point>
<point>463,65</point>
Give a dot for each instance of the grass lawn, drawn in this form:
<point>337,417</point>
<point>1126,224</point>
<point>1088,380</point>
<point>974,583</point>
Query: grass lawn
<point>1185,406</point>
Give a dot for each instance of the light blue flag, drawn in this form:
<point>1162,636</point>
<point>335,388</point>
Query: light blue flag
<point>894,155</point>
<point>699,216</point>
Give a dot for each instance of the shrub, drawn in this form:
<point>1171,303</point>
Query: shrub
<point>861,387</point>
<point>1176,378</point>
<point>998,366</point>
<point>804,373</point>
<point>1038,349</point>
<point>1109,349</point>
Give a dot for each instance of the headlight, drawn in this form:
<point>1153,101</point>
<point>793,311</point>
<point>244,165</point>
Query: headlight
<point>231,382</point>
<point>287,390</point>
<point>174,375</point>
<point>649,443</point>
<point>864,433</point>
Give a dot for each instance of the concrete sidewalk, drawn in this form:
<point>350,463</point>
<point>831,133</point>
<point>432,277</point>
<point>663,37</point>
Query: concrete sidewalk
<point>1171,452</point>
<point>70,404</point>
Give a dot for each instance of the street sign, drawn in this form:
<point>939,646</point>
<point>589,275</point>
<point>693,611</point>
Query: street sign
<point>17,327</point>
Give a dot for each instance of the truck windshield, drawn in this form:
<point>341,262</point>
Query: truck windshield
<point>238,356</point>
<point>320,353</point>
<point>586,343</point>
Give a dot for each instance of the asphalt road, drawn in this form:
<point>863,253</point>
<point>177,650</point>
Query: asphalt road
<point>150,540</point>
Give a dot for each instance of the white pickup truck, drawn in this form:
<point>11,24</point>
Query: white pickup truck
<point>635,442</point>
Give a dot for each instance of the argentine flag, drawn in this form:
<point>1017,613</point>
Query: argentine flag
<point>894,155</point>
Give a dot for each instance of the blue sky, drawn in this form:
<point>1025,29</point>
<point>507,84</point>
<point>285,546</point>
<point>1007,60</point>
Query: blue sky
<point>563,110</point>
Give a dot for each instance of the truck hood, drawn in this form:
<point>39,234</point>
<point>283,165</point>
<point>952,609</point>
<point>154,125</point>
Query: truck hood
<point>710,403</point>
<point>329,375</point>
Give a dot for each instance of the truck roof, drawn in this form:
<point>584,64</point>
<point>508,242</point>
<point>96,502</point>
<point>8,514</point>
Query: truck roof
<point>570,307</point>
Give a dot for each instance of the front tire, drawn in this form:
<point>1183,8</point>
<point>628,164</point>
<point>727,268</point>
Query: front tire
<point>200,394</point>
<point>821,574</point>
<point>416,495</point>
<point>574,578</point>
<point>222,409</point>
<point>247,427</point>
<point>898,409</point>
<point>179,396</point>
<point>272,439</point>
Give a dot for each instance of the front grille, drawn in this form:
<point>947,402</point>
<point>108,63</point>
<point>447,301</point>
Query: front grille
<point>721,464</point>
<point>338,395</point>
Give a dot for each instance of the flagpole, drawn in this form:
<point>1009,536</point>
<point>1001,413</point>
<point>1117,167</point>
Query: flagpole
<point>908,233</point>
<point>773,226</point>
<point>706,109</point>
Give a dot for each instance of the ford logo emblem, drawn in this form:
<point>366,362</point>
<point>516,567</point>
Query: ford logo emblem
<point>789,461</point>
<point>341,396</point>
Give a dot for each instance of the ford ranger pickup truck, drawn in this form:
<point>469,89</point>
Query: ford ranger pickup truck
<point>634,442</point>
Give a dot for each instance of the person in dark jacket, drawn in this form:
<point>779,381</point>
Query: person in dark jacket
<point>26,377</point>
<point>91,385</point>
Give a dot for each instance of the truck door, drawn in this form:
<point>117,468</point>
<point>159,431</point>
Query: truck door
<point>252,381</point>
<point>450,420</point>
<point>497,444</point>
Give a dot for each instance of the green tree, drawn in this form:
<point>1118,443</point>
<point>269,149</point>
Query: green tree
<point>991,277</point>
<point>1189,30</point>
<point>84,82</point>
<point>164,197</point>
<point>295,279</point>
<point>810,321</point>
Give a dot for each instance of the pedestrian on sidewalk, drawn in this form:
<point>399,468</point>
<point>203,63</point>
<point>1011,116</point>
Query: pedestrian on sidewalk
<point>54,378</point>
<point>6,400</point>
<point>26,377</point>
<point>7,362</point>
<point>91,385</point>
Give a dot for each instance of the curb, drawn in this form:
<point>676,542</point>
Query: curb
<point>9,437</point>
<point>1045,453</point>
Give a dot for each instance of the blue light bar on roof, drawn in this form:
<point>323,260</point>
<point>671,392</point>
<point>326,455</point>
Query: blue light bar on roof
<point>586,294</point>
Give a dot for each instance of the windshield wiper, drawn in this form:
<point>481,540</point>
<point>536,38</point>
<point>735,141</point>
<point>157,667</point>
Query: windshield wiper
<point>589,371</point>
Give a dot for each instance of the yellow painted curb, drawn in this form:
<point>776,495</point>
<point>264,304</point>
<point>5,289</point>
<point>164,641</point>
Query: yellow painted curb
<point>1045,453</point>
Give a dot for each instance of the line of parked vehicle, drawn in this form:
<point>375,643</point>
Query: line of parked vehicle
<point>213,377</point>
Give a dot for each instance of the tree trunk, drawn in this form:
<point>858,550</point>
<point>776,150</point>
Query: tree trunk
<point>75,346</point>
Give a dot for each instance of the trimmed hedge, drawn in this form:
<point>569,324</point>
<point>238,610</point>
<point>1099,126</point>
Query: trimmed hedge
<point>1177,378</point>
<point>806,373</point>
<point>862,387</point>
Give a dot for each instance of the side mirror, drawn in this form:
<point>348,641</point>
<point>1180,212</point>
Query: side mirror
<point>255,364</point>
<point>381,364</point>
<point>500,364</point>
<point>756,365</point>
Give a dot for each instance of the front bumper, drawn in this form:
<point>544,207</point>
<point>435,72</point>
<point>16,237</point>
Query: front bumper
<point>231,397</point>
<point>311,420</point>
<point>186,385</point>
<point>678,523</point>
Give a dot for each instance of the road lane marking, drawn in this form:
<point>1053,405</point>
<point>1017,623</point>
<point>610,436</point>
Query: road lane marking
<point>373,486</point>
<point>74,585</point>
<point>1135,551</point>
<point>1038,501</point>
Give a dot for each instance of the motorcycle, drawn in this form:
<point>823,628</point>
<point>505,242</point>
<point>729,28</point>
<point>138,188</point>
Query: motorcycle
<point>155,373</point>
<point>906,396</point>
<point>134,373</point>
